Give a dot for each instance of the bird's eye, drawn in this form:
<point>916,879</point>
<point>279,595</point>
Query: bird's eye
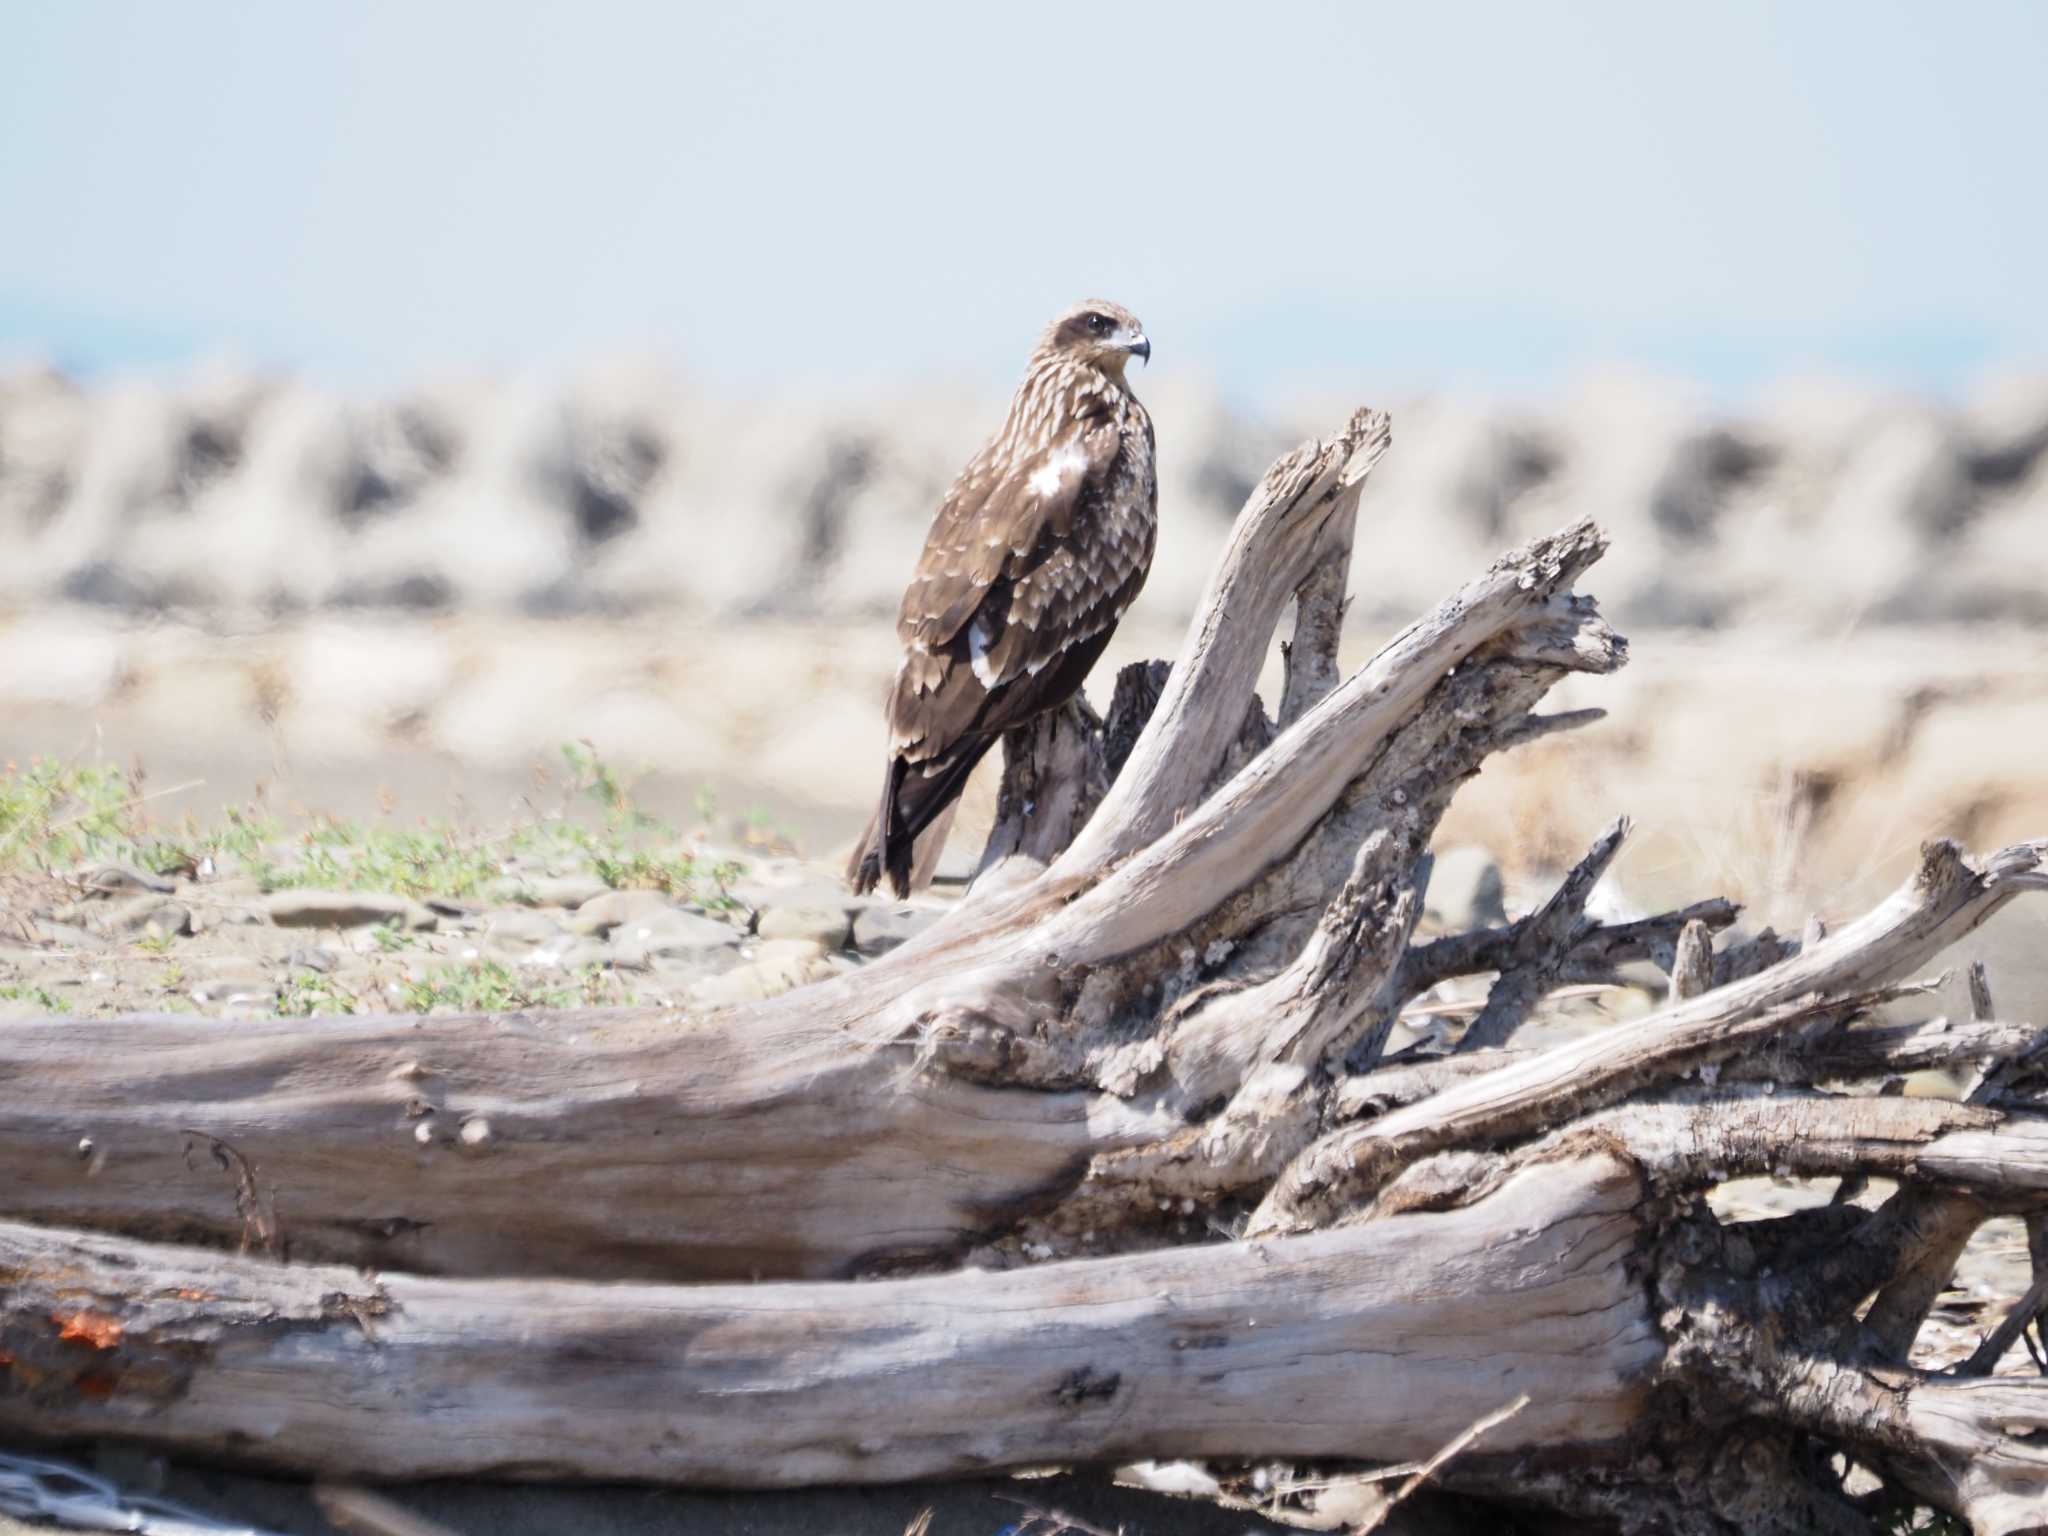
<point>1100,324</point>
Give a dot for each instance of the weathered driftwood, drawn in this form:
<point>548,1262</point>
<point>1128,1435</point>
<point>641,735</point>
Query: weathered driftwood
<point>1945,900</point>
<point>1384,1341</point>
<point>1150,1041</point>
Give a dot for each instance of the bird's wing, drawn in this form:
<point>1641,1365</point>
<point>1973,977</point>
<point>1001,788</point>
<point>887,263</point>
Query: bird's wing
<point>1003,590</point>
<point>992,522</point>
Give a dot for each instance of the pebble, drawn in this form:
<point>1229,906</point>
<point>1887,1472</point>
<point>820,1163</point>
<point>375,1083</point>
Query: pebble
<point>116,879</point>
<point>345,909</point>
<point>570,891</point>
<point>143,917</point>
<point>602,914</point>
<point>671,934</point>
<point>520,931</point>
<point>65,936</point>
<point>879,929</point>
<point>220,890</point>
<point>809,912</point>
<point>233,979</point>
<point>776,967</point>
<point>569,952</point>
<point>787,952</point>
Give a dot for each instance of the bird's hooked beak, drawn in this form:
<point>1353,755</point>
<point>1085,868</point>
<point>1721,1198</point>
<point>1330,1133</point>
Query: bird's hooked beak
<point>1138,344</point>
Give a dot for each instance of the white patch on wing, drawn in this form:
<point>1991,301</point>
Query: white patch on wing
<point>1045,481</point>
<point>977,652</point>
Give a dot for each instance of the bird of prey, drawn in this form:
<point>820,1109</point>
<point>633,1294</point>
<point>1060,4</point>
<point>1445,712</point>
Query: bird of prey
<point>1036,552</point>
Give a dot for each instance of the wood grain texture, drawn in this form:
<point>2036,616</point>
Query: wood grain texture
<point>1382,1342</point>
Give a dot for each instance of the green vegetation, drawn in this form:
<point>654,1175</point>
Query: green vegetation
<point>58,820</point>
<point>38,998</point>
<point>482,986</point>
<point>58,816</point>
<point>308,993</point>
<point>488,987</point>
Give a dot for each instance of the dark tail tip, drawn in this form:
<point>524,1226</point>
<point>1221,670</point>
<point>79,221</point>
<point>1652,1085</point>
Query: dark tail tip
<point>865,870</point>
<point>901,854</point>
<point>869,865</point>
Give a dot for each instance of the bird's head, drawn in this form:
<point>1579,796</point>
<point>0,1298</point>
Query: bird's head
<point>1099,333</point>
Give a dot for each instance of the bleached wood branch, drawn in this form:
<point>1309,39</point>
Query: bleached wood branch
<point>1111,953</point>
<point>1435,1464</point>
<point>1692,967</point>
<point>1273,549</point>
<point>1055,774</point>
<point>1310,657</point>
<point>1223,845</point>
<point>1878,1050</point>
<point>730,1147</point>
<point>1302,1014</point>
<point>1974,1448</point>
<point>1928,1238</point>
<point>1799,1135</point>
<point>1543,943</point>
<point>1946,898</point>
<point>1386,1341</point>
<point>1943,1220</point>
<point>1597,954</point>
<point>2017,1320</point>
<point>1849,1055</point>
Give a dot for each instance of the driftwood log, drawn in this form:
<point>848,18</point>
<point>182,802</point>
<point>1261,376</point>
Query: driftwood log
<point>1110,1164</point>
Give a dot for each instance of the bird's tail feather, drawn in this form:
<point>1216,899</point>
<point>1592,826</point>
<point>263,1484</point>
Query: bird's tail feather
<point>930,847</point>
<point>864,869</point>
<point>895,844</point>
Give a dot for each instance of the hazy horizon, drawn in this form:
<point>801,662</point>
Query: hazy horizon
<point>1476,197</point>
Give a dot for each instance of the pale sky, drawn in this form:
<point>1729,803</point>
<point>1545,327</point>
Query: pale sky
<point>1400,195</point>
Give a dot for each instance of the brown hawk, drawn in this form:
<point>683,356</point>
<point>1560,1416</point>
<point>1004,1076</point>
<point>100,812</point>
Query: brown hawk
<point>1036,552</point>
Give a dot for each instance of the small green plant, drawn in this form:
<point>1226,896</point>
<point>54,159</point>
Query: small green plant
<point>242,834</point>
<point>56,816</point>
<point>484,986</point>
<point>432,859</point>
<point>309,994</point>
<point>154,943</point>
<point>601,989</point>
<point>644,871</point>
<point>392,937</point>
<point>760,830</point>
<point>36,997</point>
<point>594,777</point>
